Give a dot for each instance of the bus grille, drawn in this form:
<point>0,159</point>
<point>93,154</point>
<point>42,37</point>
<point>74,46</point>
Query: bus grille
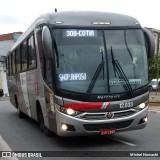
<point>98,127</point>
<point>102,116</point>
<point>93,116</point>
<point>123,114</point>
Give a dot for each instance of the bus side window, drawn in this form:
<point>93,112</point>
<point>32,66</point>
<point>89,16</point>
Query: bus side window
<point>31,52</point>
<point>10,64</point>
<point>40,48</point>
<point>7,65</point>
<point>49,72</point>
<point>24,56</point>
<point>18,58</point>
<point>13,62</point>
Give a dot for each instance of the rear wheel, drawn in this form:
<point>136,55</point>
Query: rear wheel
<point>20,114</point>
<point>41,124</point>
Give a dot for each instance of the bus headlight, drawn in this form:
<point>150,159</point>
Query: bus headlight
<point>141,106</point>
<point>69,111</point>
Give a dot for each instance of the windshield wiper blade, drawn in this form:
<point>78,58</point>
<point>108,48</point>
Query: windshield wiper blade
<point>94,79</point>
<point>117,68</point>
<point>113,62</point>
<point>96,74</point>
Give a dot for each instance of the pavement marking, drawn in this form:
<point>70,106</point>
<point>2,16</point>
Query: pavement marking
<point>122,141</point>
<point>5,147</point>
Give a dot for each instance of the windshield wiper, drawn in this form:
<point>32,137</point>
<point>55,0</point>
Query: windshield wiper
<point>117,68</point>
<point>94,79</point>
<point>96,74</point>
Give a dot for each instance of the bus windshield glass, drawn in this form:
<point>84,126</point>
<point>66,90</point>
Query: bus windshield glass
<point>96,61</point>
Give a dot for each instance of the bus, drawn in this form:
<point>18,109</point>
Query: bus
<point>81,73</point>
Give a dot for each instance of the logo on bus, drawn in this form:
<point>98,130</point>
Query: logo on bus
<point>109,115</point>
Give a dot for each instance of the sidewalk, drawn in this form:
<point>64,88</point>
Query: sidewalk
<point>154,97</point>
<point>4,98</point>
<point>154,101</point>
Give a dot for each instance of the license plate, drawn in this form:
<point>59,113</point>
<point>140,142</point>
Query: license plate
<point>108,131</point>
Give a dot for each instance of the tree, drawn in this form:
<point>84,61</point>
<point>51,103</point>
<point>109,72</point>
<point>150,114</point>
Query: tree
<point>154,67</point>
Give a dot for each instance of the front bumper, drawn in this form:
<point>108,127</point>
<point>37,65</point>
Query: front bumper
<point>83,127</point>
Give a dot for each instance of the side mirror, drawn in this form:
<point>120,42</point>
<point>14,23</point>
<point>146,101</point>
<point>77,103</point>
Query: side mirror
<point>47,43</point>
<point>150,42</point>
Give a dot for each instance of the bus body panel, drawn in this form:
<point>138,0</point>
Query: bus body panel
<point>130,116</point>
<point>132,121</point>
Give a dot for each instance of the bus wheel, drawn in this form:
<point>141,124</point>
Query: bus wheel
<point>20,114</point>
<point>41,124</point>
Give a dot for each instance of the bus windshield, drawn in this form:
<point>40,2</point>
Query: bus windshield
<point>100,61</point>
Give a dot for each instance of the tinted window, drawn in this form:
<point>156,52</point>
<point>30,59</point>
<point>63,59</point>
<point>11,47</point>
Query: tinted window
<point>24,55</point>
<point>7,65</point>
<point>31,52</point>
<point>13,62</point>
<point>18,60</point>
<point>10,64</point>
<point>40,48</point>
<point>100,61</point>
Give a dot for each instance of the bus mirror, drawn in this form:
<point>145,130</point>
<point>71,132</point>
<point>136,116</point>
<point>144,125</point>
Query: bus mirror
<point>150,42</point>
<point>47,43</point>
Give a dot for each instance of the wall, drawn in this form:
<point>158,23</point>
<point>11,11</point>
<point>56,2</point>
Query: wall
<point>5,46</point>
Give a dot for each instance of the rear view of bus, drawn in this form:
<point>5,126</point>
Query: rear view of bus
<point>94,69</point>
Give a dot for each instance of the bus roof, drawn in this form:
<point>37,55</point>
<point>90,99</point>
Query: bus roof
<point>90,19</point>
<point>81,19</point>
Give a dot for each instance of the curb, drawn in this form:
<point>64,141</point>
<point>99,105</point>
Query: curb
<point>4,98</point>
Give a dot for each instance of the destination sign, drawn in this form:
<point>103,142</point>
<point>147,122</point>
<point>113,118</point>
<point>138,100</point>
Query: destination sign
<point>73,77</point>
<point>80,33</point>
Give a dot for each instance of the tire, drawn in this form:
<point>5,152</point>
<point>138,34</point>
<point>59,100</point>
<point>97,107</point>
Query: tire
<point>41,124</point>
<point>20,114</point>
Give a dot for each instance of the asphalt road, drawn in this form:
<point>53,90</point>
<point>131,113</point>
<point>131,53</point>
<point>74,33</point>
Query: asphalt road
<point>24,135</point>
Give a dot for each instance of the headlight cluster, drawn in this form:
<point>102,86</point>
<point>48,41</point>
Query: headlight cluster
<point>69,111</point>
<point>142,105</point>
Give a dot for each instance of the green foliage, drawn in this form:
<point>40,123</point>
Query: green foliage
<point>154,67</point>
